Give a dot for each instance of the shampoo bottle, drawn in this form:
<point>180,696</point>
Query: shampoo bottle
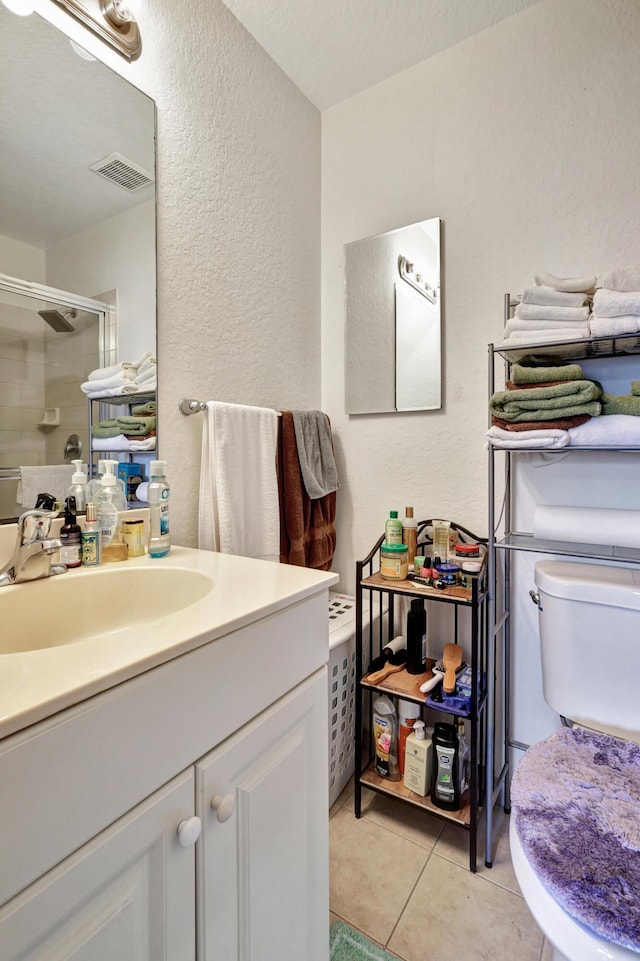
<point>410,533</point>
<point>70,552</point>
<point>110,502</point>
<point>78,489</point>
<point>445,779</point>
<point>393,529</point>
<point>417,765</point>
<point>158,492</point>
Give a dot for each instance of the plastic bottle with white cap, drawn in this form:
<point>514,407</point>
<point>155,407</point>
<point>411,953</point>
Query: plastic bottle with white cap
<point>110,503</point>
<point>417,761</point>
<point>78,489</point>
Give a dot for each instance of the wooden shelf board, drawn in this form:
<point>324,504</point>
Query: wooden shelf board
<point>370,778</point>
<point>455,593</point>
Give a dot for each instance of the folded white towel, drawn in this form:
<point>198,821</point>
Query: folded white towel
<point>542,336</point>
<point>49,479</point>
<point>537,312</point>
<point>121,442</point>
<point>608,430</point>
<point>147,375</point>
<point>516,323</point>
<point>616,303</point>
<point>553,437</point>
<point>124,368</point>
<point>549,297</point>
<point>126,389</point>
<point>614,326</point>
<point>621,278</point>
<point>239,511</point>
<point>117,380</point>
<point>147,365</point>
<point>140,445</point>
<point>568,284</point>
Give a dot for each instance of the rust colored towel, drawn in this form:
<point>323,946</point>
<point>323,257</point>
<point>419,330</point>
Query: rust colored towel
<point>560,423</point>
<point>307,532</point>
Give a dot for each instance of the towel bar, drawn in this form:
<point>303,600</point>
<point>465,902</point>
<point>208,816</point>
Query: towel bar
<point>189,406</point>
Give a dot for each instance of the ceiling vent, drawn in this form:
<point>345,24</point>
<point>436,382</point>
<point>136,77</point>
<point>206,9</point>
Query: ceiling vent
<point>123,172</point>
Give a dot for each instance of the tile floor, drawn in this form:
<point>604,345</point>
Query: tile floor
<point>402,878</point>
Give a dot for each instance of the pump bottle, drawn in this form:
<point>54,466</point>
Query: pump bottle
<point>109,502</point>
<point>158,492</point>
<point>78,489</point>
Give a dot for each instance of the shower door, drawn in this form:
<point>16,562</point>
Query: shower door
<point>49,341</point>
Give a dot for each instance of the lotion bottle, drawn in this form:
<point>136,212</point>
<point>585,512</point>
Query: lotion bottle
<point>417,762</point>
<point>78,489</point>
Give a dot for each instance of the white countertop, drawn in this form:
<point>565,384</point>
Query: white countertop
<point>37,684</point>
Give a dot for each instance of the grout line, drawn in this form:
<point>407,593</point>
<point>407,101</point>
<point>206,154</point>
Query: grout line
<point>404,907</point>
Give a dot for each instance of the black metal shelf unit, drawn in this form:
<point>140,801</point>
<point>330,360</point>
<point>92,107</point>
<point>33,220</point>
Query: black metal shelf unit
<point>380,596</point>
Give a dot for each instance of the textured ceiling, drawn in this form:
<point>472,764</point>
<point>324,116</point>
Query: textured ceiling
<point>58,115</point>
<point>332,49</point>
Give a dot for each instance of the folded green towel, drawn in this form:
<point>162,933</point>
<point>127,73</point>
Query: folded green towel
<point>524,373</point>
<point>545,403</point>
<point>136,425</point>
<point>621,404</point>
<point>106,428</point>
<point>142,409</point>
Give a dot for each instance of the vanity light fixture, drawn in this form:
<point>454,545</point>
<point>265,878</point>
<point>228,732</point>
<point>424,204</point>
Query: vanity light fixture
<point>111,20</point>
<point>22,7</point>
<point>406,270</point>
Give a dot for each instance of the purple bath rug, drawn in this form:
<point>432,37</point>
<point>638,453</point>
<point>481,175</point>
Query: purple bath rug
<point>576,808</point>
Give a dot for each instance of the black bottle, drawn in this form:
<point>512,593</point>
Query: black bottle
<point>416,631</point>
<point>445,777</point>
<point>70,554</point>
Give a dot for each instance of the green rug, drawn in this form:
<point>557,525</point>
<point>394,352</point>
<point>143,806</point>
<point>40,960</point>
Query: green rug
<point>350,945</point>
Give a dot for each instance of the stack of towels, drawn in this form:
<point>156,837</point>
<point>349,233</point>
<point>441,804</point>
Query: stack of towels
<point>541,405</point>
<point>136,432</point>
<point>554,309</point>
<point>136,377</point>
<point>616,306</point>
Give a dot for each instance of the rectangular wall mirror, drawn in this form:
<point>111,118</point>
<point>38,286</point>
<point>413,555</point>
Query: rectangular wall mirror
<point>77,242</point>
<point>392,326</point>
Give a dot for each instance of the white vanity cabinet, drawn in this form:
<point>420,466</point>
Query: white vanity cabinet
<point>94,864</point>
<point>127,894</point>
<point>262,864</point>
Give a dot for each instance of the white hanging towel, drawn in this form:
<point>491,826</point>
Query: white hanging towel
<point>239,511</point>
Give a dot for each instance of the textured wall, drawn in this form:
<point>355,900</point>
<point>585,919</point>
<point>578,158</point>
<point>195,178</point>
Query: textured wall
<point>238,225</point>
<point>523,139</point>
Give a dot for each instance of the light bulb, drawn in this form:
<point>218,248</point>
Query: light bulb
<point>22,7</point>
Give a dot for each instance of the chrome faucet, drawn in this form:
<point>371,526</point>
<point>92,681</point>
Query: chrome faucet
<point>33,550</point>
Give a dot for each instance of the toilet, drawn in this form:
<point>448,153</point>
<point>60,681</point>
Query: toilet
<point>589,622</point>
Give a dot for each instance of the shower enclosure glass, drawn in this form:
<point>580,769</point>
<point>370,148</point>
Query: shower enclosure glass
<point>49,342</point>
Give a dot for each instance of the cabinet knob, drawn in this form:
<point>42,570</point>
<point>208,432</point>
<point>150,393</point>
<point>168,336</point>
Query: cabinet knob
<point>223,806</point>
<point>189,831</point>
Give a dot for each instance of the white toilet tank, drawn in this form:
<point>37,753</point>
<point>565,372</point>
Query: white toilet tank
<point>589,620</point>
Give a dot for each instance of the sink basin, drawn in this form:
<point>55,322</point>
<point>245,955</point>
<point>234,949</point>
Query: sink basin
<point>81,606</point>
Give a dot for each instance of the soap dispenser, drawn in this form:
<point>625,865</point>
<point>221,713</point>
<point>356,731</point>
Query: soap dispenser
<point>109,502</point>
<point>78,489</point>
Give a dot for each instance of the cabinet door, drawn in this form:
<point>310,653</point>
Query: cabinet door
<point>262,863</point>
<point>127,895</point>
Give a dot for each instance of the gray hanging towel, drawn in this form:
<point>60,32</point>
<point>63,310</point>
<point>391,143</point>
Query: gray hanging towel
<point>315,452</point>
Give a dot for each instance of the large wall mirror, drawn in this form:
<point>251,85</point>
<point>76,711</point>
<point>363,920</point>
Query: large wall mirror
<point>392,341</point>
<point>77,241</point>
